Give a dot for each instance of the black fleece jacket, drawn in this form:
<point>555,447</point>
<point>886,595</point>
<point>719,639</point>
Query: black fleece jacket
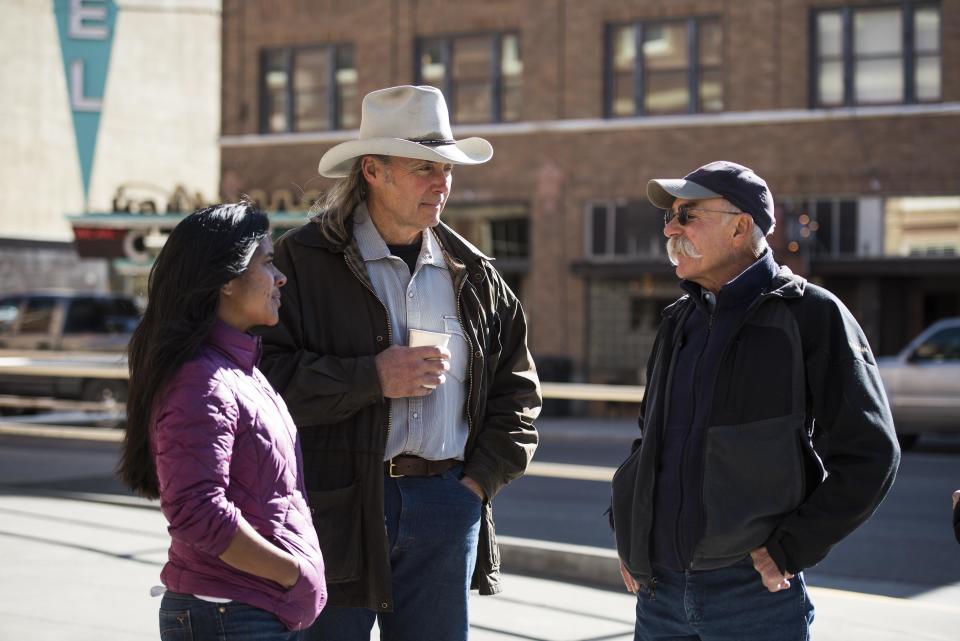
<point>798,367</point>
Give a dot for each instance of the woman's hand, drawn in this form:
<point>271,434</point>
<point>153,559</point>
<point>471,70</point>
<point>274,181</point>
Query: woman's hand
<point>250,552</point>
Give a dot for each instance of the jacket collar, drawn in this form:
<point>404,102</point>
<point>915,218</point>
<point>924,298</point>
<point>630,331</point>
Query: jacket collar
<point>455,249</point>
<point>785,284</point>
<point>372,246</point>
<point>462,259</point>
<point>240,347</point>
<point>750,283</point>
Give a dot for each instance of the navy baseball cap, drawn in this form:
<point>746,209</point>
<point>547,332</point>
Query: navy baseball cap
<point>721,179</point>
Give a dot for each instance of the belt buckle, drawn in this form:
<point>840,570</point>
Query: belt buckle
<point>390,468</point>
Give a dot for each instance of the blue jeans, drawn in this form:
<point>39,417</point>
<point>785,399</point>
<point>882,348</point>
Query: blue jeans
<point>433,524</point>
<point>184,617</point>
<point>729,604</point>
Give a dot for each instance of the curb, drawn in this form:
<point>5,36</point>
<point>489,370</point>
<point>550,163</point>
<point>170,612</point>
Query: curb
<point>582,564</point>
<point>561,561</point>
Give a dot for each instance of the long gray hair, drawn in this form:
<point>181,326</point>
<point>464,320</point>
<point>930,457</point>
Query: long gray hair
<point>332,211</point>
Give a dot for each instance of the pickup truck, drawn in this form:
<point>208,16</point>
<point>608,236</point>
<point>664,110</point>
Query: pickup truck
<point>923,382</point>
<point>59,321</point>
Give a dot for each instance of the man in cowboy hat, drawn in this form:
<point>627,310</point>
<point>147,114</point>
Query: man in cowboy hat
<point>416,438</point>
<point>724,499</point>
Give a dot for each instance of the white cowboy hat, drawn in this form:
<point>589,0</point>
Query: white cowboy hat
<point>405,121</point>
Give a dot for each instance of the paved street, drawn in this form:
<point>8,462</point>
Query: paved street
<point>907,548</point>
<point>81,571</point>
<point>78,555</point>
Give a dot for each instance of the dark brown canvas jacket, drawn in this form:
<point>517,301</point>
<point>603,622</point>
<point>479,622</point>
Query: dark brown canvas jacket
<point>320,357</point>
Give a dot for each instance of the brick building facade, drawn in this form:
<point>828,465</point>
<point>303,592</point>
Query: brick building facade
<point>585,101</point>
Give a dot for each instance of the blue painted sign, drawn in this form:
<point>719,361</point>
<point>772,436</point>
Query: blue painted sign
<point>86,36</point>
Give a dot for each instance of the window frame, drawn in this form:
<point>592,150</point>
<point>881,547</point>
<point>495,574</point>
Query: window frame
<point>446,41</point>
<point>694,67</point>
<point>848,59</point>
<point>611,207</point>
<point>289,53</point>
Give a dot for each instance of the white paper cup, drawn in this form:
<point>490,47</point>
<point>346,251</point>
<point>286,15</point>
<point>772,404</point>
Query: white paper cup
<point>424,338</point>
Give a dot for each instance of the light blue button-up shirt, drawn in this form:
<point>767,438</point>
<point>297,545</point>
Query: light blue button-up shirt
<point>434,426</point>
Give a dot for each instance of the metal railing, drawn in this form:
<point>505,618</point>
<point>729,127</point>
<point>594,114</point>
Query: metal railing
<point>593,392</point>
<point>64,364</point>
<point>86,365</point>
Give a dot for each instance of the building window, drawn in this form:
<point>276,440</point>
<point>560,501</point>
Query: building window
<point>480,75</point>
<point>876,55</point>
<point>501,230</point>
<point>664,67</point>
<point>826,227</point>
<point>922,226</point>
<point>509,237</point>
<point>645,312</point>
<point>308,89</point>
<point>624,230</point>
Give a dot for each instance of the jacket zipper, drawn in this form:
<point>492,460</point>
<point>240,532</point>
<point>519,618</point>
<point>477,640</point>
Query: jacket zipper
<point>703,453</point>
<point>389,336</point>
<point>682,315</point>
<point>463,281</point>
<point>683,450</point>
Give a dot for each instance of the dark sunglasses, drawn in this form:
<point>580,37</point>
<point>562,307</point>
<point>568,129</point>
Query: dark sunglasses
<point>683,214</point>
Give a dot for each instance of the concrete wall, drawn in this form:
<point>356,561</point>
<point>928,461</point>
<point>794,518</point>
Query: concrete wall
<point>159,123</point>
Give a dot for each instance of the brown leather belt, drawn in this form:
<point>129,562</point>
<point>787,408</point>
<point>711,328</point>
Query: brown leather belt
<point>407,465</point>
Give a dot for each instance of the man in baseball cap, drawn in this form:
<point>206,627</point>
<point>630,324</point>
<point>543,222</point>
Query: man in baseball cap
<point>726,498</point>
<point>731,195</point>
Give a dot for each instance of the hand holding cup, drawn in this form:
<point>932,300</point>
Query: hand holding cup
<point>423,338</point>
<point>415,370</point>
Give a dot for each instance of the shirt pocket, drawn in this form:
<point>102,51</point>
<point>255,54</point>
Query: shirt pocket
<point>459,348</point>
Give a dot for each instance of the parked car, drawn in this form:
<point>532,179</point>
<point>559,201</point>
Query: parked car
<point>66,321</point>
<point>923,382</point>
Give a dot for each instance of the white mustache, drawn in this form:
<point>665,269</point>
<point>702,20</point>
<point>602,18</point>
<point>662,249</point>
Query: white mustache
<point>679,246</point>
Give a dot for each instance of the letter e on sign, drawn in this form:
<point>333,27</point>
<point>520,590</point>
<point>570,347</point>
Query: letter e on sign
<point>82,11</point>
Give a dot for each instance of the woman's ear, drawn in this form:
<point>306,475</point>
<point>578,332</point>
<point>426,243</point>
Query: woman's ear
<point>227,288</point>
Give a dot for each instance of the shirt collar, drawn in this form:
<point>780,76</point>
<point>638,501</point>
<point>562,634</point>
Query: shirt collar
<point>369,241</point>
<point>431,253</point>
<point>372,246</point>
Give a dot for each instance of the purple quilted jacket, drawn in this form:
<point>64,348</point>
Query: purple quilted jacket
<point>225,445</point>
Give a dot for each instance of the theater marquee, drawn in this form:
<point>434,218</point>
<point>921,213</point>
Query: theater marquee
<point>143,215</point>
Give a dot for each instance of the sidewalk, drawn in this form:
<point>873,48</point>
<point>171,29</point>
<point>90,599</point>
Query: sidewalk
<point>78,568</point>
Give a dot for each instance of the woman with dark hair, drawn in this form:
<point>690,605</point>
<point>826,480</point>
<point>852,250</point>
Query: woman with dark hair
<point>209,437</point>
